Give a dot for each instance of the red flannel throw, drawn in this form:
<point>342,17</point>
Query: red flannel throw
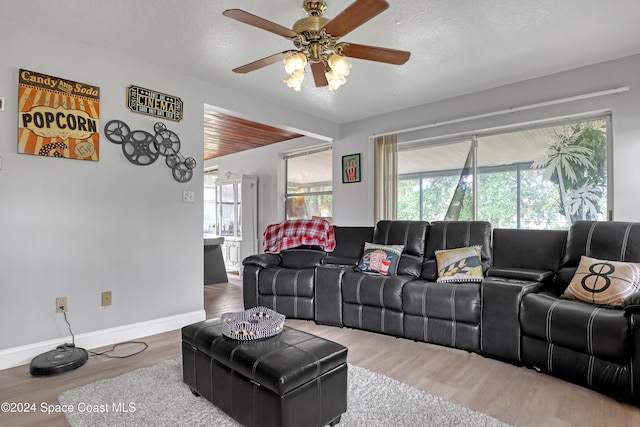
<point>298,232</point>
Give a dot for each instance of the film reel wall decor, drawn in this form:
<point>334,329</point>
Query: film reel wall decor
<point>143,148</point>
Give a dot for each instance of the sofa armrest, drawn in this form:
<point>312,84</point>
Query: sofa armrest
<point>501,334</point>
<point>328,294</point>
<point>262,260</point>
<point>634,318</point>
<point>250,278</point>
<point>331,260</point>
<point>631,304</point>
<point>526,274</point>
<point>301,258</point>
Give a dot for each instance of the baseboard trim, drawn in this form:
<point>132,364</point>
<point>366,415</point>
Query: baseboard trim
<point>22,355</point>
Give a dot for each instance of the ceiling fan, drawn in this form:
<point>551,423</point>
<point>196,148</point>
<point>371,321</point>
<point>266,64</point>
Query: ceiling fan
<point>316,40</point>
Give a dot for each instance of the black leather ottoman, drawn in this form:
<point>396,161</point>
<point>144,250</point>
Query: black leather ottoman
<point>292,379</point>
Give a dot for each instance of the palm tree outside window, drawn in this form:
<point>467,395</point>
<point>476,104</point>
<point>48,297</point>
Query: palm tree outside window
<point>539,178</point>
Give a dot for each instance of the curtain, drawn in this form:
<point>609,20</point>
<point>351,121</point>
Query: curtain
<point>385,158</point>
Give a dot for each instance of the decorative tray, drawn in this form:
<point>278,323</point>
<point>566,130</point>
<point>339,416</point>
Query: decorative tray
<point>252,324</point>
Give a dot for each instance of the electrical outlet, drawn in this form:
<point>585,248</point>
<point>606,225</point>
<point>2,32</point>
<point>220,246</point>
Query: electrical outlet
<point>61,305</point>
<point>106,298</point>
<point>188,196</point>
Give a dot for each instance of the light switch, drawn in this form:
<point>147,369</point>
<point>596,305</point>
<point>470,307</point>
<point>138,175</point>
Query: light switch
<point>188,196</point>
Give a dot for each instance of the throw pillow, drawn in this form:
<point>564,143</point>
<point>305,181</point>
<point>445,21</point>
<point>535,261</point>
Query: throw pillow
<point>459,265</point>
<point>381,259</point>
<point>603,282</point>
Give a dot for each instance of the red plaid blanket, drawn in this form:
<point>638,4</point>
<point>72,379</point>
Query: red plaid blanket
<point>298,232</point>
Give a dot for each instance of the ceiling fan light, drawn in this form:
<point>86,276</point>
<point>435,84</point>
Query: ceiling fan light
<point>334,79</point>
<point>339,64</point>
<point>294,81</point>
<point>295,61</point>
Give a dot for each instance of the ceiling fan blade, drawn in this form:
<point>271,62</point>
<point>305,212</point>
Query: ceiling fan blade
<point>256,21</point>
<point>355,15</point>
<point>261,62</point>
<point>317,68</point>
<point>373,53</point>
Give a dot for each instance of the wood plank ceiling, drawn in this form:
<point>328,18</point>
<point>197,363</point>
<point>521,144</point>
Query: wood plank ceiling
<point>225,134</point>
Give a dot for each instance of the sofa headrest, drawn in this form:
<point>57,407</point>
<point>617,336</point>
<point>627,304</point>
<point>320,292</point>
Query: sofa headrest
<point>612,240</point>
<point>456,234</point>
<point>528,249</point>
<point>609,240</point>
<point>411,234</point>
<point>350,241</point>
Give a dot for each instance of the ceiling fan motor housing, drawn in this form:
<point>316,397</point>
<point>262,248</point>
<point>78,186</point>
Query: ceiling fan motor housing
<point>310,25</point>
<point>311,39</point>
<point>314,7</point>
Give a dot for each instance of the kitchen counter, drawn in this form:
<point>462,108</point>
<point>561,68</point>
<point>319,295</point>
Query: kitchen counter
<point>213,239</point>
<point>214,268</point>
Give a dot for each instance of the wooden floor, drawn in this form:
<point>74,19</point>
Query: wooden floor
<point>515,395</point>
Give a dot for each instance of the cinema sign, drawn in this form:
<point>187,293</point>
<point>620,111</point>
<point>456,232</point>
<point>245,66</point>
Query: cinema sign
<point>57,117</point>
<point>153,103</point>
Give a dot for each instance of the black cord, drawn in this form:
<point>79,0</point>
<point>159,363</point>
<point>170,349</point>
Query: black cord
<point>104,353</point>
<point>73,338</point>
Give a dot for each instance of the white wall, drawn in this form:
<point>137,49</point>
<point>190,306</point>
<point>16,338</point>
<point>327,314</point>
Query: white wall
<point>77,228</point>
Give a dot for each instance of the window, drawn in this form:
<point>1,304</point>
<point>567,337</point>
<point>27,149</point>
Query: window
<point>210,214</point>
<point>542,178</point>
<point>309,178</point>
<point>427,193</point>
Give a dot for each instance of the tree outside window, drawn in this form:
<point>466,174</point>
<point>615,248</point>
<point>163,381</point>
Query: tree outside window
<point>544,178</point>
<point>576,162</point>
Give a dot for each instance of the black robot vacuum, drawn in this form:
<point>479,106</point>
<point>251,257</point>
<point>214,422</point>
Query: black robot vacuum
<point>64,358</point>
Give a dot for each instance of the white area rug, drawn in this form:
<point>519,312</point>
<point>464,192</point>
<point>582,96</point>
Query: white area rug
<point>156,396</point>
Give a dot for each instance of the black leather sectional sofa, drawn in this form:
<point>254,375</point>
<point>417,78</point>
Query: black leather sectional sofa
<point>516,314</point>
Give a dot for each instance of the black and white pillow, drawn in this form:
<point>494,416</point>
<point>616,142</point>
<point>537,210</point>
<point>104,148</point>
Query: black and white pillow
<point>459,265</point>
<point>603,282</point>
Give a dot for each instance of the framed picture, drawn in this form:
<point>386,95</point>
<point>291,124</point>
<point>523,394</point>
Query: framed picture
<point>351,168</point>
<point>57,117</point>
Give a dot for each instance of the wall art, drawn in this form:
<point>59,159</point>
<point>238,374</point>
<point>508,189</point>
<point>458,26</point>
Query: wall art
<point>351,168</point>
<point>154,103</point>
<point>58,117</point>
<point>143,148</point>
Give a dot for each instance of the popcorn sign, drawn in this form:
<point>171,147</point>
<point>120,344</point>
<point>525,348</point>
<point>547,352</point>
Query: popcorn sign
<point>57,117</point>
<point>351,168</point>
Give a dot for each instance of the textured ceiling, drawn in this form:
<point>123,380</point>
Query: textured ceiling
<point>457,46</point>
